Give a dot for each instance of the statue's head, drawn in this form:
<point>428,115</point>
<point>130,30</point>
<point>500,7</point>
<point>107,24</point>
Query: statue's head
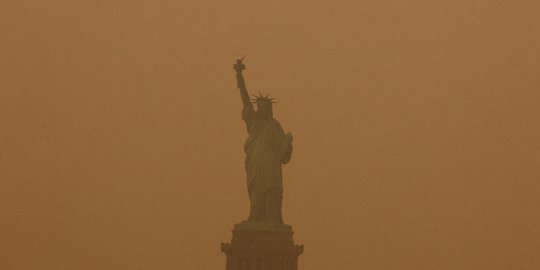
<point>264,105</point>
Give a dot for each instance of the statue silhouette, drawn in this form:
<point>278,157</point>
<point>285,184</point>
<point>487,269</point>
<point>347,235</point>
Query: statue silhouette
<point>263,241</point>
<point>267,148</point>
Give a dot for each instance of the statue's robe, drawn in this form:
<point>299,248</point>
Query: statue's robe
<point>267,147</point>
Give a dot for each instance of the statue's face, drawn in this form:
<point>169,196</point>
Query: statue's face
<point>264,108</point>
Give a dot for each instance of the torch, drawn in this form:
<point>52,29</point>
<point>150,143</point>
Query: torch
<point>239,66</point>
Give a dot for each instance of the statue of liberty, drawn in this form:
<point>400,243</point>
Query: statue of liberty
<point>266,148</point>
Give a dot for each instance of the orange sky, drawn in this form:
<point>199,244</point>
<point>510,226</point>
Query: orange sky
<point>416,125</point>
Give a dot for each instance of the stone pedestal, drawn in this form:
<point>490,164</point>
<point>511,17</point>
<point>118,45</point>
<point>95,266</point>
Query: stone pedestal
<point>261,250</point>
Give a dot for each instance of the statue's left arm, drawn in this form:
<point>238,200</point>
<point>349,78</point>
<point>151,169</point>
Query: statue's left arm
<point>287,153</point>
<point>287,148</point>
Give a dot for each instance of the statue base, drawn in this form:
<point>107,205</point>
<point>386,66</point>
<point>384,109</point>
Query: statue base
<point>262,226</point>
<point>252,248</point>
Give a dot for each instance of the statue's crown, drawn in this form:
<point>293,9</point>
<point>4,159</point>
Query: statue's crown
<point>260,98</point>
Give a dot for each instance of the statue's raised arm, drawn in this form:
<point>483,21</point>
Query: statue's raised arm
<point>239,66</point>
